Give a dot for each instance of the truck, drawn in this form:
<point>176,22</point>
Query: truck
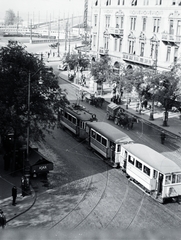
<point>119,116</point>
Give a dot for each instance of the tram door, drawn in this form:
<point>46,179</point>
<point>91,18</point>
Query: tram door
<point>112,148</point>
<point>160,183</point>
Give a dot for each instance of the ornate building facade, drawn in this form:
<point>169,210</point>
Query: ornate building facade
<point>143,32</point>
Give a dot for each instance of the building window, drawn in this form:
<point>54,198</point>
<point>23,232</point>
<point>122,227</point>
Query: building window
<point>133,2</point>
<point>179,28</point>
<point>117,22</point>
<point>142,49</point>
<point>118,2</point>
<point>107,21</point>
<point>94,40</point>
<point>146,2</point>
<point>133,23</point>
<point>115,44</point>
<point>158,2</point>
<point>108,2</point>
<point>122,22</point>
<point>171,29</point>
<point>120,45</point>
<point>156,25</point>
<point>168,54</point>
<point>144,23</point>
<point>106,43</point>
<point>131,47</point>
<point>122,2</point>
<point>96,3</point>
<point>175,55</point>
<point>95,20</point>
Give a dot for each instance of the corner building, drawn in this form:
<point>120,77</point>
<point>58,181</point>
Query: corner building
<point>143,32</point>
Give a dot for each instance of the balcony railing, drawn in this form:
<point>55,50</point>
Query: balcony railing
<point>171,38</point>
<point>138,59</point>
<point>103,51</point>
<point>116,31</point>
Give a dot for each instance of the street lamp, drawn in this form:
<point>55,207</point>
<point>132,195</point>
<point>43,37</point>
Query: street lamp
<point>27,164</point>
<point>154,45</point>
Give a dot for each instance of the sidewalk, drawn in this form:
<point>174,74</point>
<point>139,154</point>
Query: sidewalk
<point>174,122</point>
<point>6,184</point>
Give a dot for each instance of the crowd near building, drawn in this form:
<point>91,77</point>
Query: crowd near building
<point>143,32</point>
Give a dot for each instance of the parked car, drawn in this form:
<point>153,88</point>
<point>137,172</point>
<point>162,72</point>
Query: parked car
<point>54,45</point>
<point>62,66</point>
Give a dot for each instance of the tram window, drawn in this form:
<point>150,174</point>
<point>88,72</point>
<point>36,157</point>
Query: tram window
<point>178,178</point>
<point>98,137</point>
<point>155,174</point>
<point>104,141</point>
<point>138,165</point>
<point>131,159</point>
<point>74,120</point>
<point>167,179</point>
<point>93,134</point>
<point>118,148</point>
<point>146,170</point>
<point>173,178</point>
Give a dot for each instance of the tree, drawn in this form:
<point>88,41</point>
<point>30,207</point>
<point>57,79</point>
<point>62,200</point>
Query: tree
<point>10,17</point>
<point>75,60</point>
<point>17,68</point>
<point>102,70</point>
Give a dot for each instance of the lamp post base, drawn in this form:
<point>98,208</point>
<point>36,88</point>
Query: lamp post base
<point>165,123</point>
<point>151,117</point>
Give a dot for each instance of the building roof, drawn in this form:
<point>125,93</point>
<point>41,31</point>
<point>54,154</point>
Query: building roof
<point>152,158</point>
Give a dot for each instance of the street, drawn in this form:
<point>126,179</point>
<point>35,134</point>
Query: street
<point>83,192</point>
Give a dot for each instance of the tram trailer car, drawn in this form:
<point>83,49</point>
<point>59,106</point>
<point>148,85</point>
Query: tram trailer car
<point>151,171</point>
<point>107,141</point>
<point>75,118</point>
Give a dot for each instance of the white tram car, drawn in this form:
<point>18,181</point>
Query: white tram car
<point>107,141</point>
<point>151,171</point>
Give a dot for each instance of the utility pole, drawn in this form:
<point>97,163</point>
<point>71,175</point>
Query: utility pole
<point>85,18</point>
<point>58,53</point>
<point>31,31</point>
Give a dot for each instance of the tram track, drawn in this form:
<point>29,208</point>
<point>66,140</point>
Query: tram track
<point>76,211</point>
<point>86,190</point>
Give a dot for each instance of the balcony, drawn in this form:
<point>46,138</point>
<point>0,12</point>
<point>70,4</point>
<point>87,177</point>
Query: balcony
<point>138,59</point>
<point>103,51</point>
<point>171,38</point>
<point>116,31</point>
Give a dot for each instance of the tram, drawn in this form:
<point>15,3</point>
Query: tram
<point>107,141</point>
<point>75,117</point>
<point>151,171</point>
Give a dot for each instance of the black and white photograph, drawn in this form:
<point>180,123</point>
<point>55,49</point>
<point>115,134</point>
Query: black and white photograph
<point>90,119</point>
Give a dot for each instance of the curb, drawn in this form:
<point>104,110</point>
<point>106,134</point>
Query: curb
<point>27,209</point>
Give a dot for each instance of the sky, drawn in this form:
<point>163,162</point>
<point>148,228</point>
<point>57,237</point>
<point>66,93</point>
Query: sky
<point>42,8</point>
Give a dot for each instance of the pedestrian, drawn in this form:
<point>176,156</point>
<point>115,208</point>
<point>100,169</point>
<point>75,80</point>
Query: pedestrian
<point>163,136</point>
<point>2,219</point>
<point>137,106</point>
<point>14,195</point>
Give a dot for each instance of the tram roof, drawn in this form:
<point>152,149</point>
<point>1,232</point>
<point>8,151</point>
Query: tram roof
<point>81,114</point>
<point>110,132</point>
<point>152,158</point>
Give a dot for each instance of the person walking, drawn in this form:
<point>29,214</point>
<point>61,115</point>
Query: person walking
<point>2,219</point>
<point>162,136</point>
<point>14,195</point>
